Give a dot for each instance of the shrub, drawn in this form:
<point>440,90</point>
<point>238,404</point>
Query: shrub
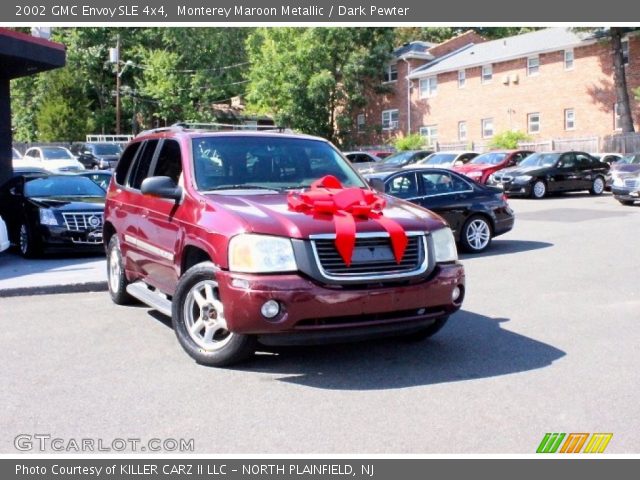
<point>411,142</point>
<point>509,139</point>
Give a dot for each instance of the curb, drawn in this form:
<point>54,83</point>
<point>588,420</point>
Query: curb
<point>54,289</point>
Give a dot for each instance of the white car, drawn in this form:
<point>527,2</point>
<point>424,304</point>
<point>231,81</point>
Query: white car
<point>15,154</point>
<point>4,236</point>
<point>446,159</point>
<point>52,159</point>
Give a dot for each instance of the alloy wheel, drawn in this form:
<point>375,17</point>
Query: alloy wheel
<point>598,186</point>
<point>114,270</point>
<point>539,189</point>
<point>478,234</point>
<point>204,316</point>
<point>23,239</point>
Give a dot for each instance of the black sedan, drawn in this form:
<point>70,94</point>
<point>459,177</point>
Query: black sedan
<point>476,213</point>
<point>98,156</point>
<point>53,211</point>
<point>552,172</point>
<point>395,161</point>
<point>101,177</point>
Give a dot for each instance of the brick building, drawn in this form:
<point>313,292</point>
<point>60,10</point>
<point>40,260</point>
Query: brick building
<point>552,83</point>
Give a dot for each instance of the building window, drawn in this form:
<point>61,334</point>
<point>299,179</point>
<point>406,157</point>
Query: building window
<point>568,59</point>
<point>487,127</point>
<point>430,134</point>
<point>625,52</point>
<point>569,119</point>
<point>533,122</point>
<point>617,122</point>
<point>360,122</point>
<point>462,78</point>
<point>462,131</point>
<point>391,73</point>
<point>487,73</point>
<point>533,66</point>
<point>428,87</point>
<point>389,119</point>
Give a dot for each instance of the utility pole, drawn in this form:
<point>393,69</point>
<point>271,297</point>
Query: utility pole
<point>118,85</point>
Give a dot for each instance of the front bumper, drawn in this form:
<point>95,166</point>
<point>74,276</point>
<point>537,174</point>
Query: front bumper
<point>511,188</point>
<point>309,308</point>
<point>60,237</point>
<point>625,193</point>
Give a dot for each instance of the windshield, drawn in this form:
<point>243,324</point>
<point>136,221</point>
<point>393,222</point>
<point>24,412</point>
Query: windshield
<point>62,186</point>
<point>439,158</point>
<point>106,149</point>
<point>489,159</point>
<point>396,159</point>
<point>56,153</point>
<point>15,155</point>
<point>275,163</point>
<point>540,160</point>
<point>630,159</point>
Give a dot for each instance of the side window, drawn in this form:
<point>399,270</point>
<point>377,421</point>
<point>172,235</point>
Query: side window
<point>125,162</point>
<point>568,160</point>
<point>584,161</point>
<point>169,162</point>
<point>442,183</point>
<point>403,186</point>
<point>35,153</point>
<point>140,170</point>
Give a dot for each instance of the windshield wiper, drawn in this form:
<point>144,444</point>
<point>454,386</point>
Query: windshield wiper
<point>241,187</point>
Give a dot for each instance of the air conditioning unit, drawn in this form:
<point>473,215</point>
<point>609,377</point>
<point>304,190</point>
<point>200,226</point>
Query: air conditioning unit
<point>505,80</point>
<point>394,125</point>
<point>515,78</point>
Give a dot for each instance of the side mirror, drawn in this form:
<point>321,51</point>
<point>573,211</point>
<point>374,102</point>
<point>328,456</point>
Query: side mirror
<point>376,184</point>
<point>163,187</point>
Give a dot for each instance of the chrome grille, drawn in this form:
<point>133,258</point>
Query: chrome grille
<point>372,257</point>
<point>82,221</point>
<point>631,182</point>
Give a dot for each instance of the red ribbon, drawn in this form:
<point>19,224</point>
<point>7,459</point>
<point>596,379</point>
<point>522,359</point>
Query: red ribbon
<point>327,197</point>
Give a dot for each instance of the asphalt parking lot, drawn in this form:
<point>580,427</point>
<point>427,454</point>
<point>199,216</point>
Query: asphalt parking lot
<point>546,342</point>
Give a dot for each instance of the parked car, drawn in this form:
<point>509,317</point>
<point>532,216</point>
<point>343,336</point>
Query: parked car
<point>232,235</point>
<point>17,171</point>
<point>625,175</point>
<point>101,177</point>
<point>610,158</point>
<point>52,159</point>
<point>15,154</point>
<point>52,211</point>
<point>395,161</point>
<point>99,156</point>
<point>4,236</point>
<point>362,159</point>
<point>447,159</point>
<point>381,153</point>
<point>552,172</point>
<point>476,213</point>
<point>482,166</point>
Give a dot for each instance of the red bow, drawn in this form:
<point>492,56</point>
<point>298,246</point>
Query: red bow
<point>328,197</point>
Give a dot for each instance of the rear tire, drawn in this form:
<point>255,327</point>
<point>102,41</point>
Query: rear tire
<point>116,277</point>
<point>597,187</point>
<point>28,244</point>
<point>539,189</point>
<point>476,234</point>
<point>427,332</point>
<point>199,322</point>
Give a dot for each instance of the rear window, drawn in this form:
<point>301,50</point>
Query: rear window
<point>62,186</point>
<point>266,162</point>
<point>125,162</point>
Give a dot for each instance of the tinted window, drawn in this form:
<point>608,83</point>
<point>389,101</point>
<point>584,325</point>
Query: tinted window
<point>584,160</point>
<point>62,186</point>
<point>540,160</point>
<point>568,160</point>
<point>438,183</point>
<point>35,153</point>
<point>492,158</point>
<point>56,153</point>
<point>125,162</point>
<point>269,162</point>
<point>403,186</point>
<point>105,149</point>
<point>142,165</point>
<point>169,162</point>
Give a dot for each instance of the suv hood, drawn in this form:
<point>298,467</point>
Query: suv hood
<point>625,168</point>
<point>269,214</point>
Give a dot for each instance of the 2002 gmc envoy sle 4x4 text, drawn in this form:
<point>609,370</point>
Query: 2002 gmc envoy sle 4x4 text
<point>247,237</point>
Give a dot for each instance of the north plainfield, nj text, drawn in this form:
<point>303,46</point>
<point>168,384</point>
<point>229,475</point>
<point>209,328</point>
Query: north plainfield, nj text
<point>332,11</point>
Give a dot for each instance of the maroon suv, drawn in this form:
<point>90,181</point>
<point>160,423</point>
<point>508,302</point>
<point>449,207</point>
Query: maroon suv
<point>247,237</point>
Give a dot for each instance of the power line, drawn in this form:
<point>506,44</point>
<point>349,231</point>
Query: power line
<point>192,71</point>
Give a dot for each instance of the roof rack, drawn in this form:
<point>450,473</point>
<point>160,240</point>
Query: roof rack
<point>216,127</point>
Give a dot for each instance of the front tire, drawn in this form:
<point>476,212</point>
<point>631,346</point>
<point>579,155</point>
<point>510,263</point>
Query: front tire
<point>476,234</point>
<point>597,187</point>
<point>199,322</point>
<point>28,244</point>
<point>539,189</point>
<point>116,277</point>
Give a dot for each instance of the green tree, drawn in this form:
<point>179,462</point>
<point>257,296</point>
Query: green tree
<point>64,112</point>
<point>509,139</point>
<point>414,141</point>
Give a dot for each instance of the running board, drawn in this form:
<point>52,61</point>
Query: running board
<point>155,300</point>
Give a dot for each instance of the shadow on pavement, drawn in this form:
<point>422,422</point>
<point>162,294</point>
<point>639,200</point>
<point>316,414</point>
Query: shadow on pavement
<point>470,347</point>
<point>504,247</point>
<point>12,265</point>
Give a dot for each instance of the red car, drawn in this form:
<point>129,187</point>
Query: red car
<point>247,237</point>
<point>481,167</point>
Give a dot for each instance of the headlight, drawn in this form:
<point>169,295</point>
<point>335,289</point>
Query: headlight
<point>617,181</point>
<point>491,178</point>
<point>474,174</point>
<point>103,164</point>
<point>444,245</point>
<point>250,253</point>
<point>47,217</point>
<point>522,178</point>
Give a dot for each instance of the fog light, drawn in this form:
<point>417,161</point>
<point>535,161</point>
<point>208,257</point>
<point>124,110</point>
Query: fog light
<point>270,309</point>
<point>455,295</point>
